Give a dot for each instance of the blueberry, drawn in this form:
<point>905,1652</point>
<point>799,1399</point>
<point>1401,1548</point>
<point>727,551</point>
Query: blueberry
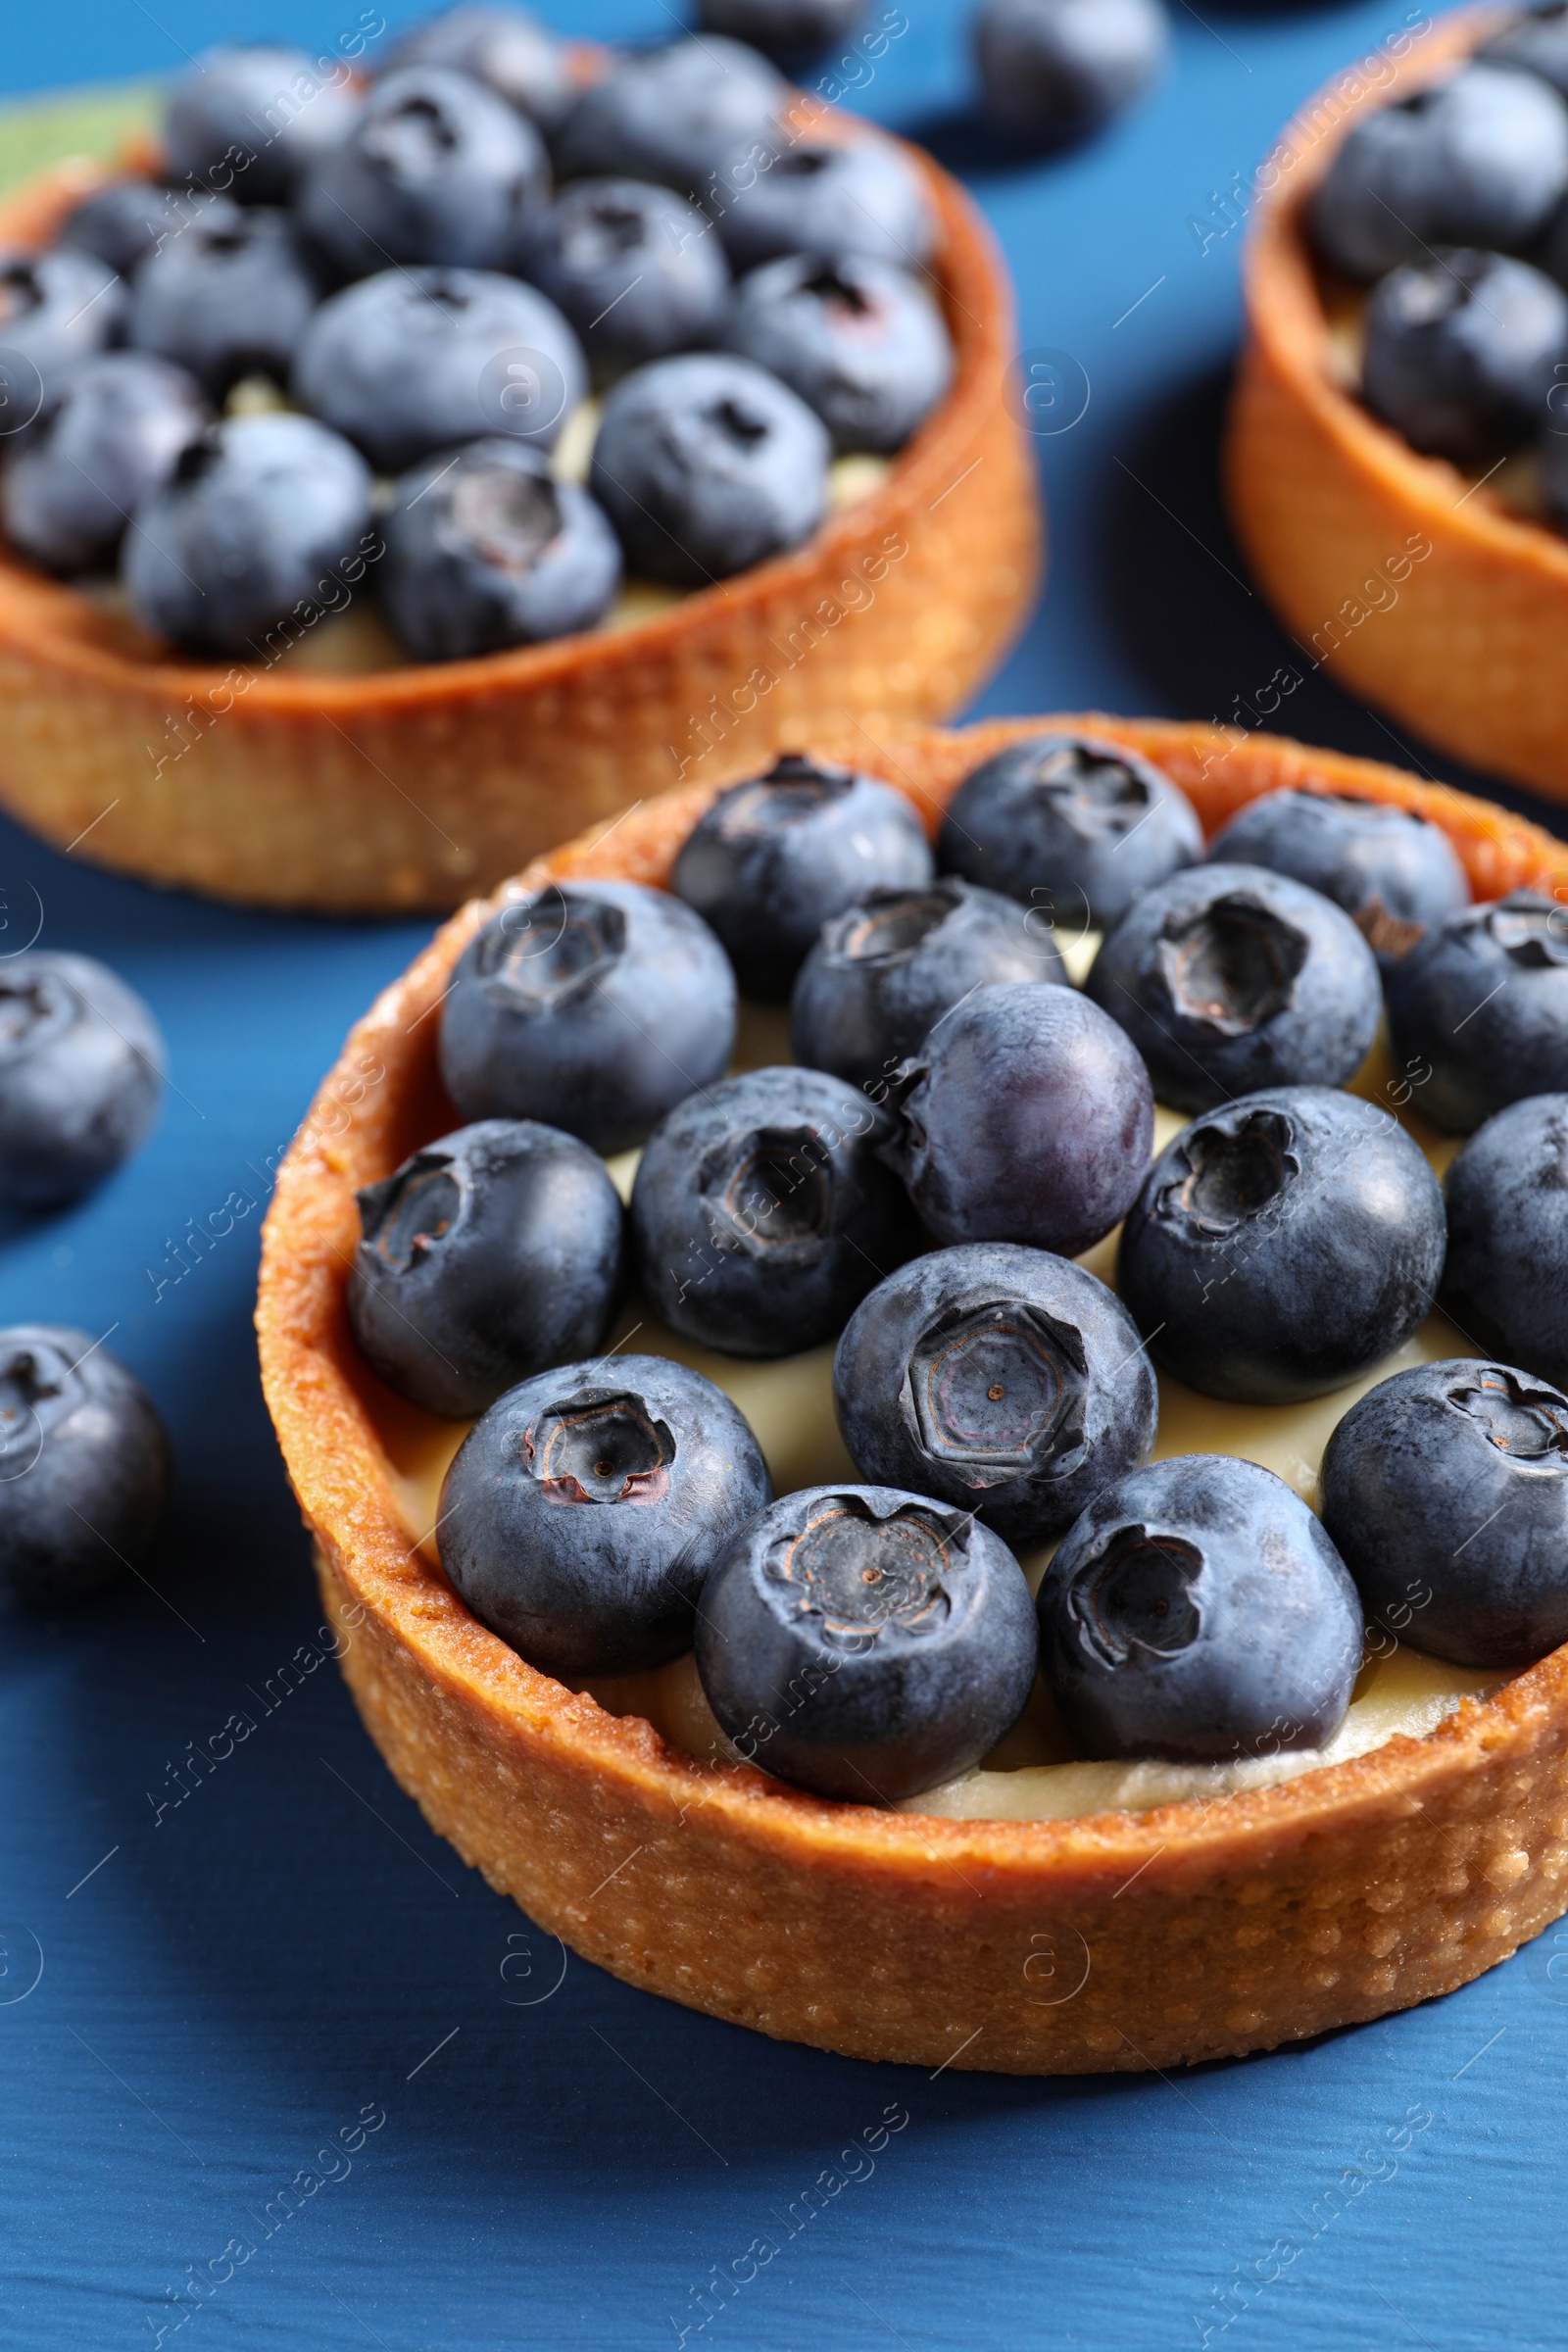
<point>1027,1117</point>
<point>1005,1381</point>
<point>1198,1610</point>
<point>252,524</point>
<point>595,1007</point>
<point>127,221</point>
<point>230,296</point>
<point>762,1213</point>
<point>1506,1283</point>
<point>488,1256</point>
<point>1447,1490</point>
<point>252,118</point>
<point>84,1465</point>
<point>1478,160</point>
<point>403,363</point>
<point>1479,1008</point>
<point>1283,1244</point>
<point>1536,42</point>
<point>865,1644</point>
<point>1054,70</point>
<point>437,168</point>
<point>505,48</point>
<point>484,550</point>
<point>634,268</point>
<point>583,1512</point>
<point>680,115</point>
<point>1394,873</point>
<point>794,30</point>
<point>81,1068</point>
<point>1228,978</point>
<point>117,435</point>
<point>770,859</point>
<point>862,344</point>
<point>834,200</point>
<point>57,309</point>
<point>707,466</point>
<point>1461,351</point>
<point>1071,823</point>
<point>882,976</point>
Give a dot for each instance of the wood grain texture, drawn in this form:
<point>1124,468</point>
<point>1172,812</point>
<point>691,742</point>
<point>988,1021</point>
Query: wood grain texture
<point>1119,1941</point>
<point>410,787</point>
<point>1323,498</point>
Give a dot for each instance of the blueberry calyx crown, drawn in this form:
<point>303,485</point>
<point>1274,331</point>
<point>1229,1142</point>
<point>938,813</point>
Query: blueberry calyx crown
<point>410,139</point>
<point>32,1377</point>
<point>510,519</point>
<point>1527,1422</point>
<point>1530,928</point>
<point>539,952</point>
<point>33,1010</point>
<point>1233,965</point>
<point>794,788</point>
<point>769,1192</point>
<point>1228,1168</point>
<point>887,926</point>
<point>834,288</point>
<point>1133,1599</point>
<point>864,1576</point>
<point>20,291</point>
<point>1095,793</point>
<point>602,1445</point>
<point>998,1389</point>
<point>406,1214</point>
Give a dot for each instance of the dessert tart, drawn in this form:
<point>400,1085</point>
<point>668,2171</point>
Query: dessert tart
<point>343,776</point>
<point>1037,1915</point>
<point>1428,587</point>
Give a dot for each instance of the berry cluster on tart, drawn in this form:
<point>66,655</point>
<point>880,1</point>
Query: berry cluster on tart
<point>1395,462</point>
<point>417,456</point>
<point>994,1552</point>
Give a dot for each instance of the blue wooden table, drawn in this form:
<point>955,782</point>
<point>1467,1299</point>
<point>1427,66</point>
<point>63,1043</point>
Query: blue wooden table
<point>275,2069</point>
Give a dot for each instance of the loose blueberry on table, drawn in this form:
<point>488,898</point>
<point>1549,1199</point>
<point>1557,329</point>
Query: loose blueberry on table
<point>1198,1610</point>
<point>84,1466</point>
<point>1054,70</point>
<point>865,1644</point>
<point>1075,826</point>
<point>1228,978</point>
<point>1005,1381</point>
<point>583,1512</point>
<point>772,859</point>
<point>81,1074</point>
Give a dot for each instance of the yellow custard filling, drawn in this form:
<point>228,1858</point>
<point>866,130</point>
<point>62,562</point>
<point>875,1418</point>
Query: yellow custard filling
<point>1035,1774</point>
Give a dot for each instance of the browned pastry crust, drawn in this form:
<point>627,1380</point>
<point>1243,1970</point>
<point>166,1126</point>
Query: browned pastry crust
<point>1464,642</point>
<point>1123,1940</point>
<point>410,787</point>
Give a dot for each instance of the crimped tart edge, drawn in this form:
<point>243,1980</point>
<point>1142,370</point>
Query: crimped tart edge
<point>1199,1930</point>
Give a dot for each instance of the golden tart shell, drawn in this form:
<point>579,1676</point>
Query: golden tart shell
<point>1121,1941</point>
<point>1463,642</point>
<point>414,786</point>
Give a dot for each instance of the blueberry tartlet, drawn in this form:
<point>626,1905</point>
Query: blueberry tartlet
<point>430,454</point>
<point>866,1595</point>
<point>1396,462</point>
